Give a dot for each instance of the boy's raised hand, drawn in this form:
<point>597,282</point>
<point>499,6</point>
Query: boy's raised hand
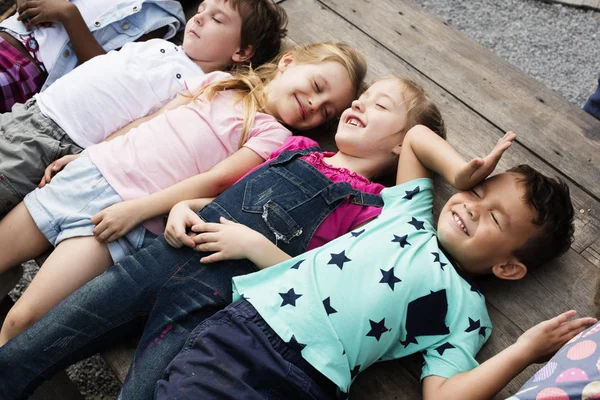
<point>478,169</point>
<point>543,340</point>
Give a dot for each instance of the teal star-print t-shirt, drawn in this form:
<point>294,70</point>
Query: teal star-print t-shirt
<point>384,291</point>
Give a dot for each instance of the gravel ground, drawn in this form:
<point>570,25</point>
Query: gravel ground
<point>556,44</point>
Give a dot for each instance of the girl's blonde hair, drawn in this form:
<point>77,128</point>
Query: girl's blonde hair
<point>420,109</point>
<point>250,83</point>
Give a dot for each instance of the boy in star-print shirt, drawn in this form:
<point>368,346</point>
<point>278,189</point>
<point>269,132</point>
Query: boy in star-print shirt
<point>388,289</point>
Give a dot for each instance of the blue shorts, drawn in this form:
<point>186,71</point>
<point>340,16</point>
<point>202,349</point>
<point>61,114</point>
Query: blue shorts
<point>63,208</point>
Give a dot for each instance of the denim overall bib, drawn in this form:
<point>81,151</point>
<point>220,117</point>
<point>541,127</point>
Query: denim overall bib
<point>286,200</point>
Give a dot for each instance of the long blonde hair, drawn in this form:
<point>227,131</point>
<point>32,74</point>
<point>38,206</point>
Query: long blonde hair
<point>250,83</point>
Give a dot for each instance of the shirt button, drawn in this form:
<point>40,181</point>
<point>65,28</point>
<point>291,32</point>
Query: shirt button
<point>66,53</point>
<point>178,76</point>
<point>97,24</point>
<point>162,51</point>
<point>126,26</point>
<point>135,8</point>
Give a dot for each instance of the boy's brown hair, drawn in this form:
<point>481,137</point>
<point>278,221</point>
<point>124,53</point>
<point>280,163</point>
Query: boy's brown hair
<point>551,200</point>
<point>263,27</point>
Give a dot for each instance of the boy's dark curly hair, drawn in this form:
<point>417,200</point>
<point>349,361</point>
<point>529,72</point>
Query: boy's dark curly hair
<point>552,202</point>
<point>263,27</point>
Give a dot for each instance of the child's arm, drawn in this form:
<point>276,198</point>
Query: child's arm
<point>39,12</point>
<point>229,240</point>
<point>118,219</point>
<point>424,153</point>
<point>489,378</point>
<point>232,241</point>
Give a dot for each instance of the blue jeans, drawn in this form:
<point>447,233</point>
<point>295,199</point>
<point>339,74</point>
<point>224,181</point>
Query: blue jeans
<point>167,292</point>
<point>592,106</point>
<point>236,355</point>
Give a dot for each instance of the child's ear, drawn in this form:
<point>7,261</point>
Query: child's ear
<point>397,149</point>
<point>243,54</point>
<point>512,270</point>
<point>285,61</point>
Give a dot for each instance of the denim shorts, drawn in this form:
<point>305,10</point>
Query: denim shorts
<point>29,142</point>
<point>63,208</point>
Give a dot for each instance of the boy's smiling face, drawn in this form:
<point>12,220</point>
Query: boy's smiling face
<point>213,36</point>
<point>483,227</point>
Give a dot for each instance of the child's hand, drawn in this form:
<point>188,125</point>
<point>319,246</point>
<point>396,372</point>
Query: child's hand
<point>55,167</point>
<point>229,240</point>
<point>543,340</point>
<point>478,169</point>
<point>180,219</point>
<point>38,12</point>
<point>116,221</point>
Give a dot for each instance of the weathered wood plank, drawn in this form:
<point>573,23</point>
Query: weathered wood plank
<point>592,253</point>
<point>119,358</point>
<point>562,134</point>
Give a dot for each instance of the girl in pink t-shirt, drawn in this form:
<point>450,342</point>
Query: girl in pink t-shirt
<point>230,125</point>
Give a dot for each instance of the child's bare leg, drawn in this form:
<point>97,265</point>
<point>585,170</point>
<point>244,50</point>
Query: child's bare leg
<point>73,263</point>
<point>20,238</point>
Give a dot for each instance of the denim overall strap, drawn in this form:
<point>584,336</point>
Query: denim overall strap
<point>285,200</point>
<point>358,197</point>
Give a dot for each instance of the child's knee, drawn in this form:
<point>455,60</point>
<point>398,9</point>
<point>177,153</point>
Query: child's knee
<point>17,321</point>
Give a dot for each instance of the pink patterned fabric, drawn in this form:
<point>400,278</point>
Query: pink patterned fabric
<point>20,78</point>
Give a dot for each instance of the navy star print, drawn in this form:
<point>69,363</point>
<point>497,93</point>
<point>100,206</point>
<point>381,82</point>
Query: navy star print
<point>289,298</point>
<point>437,259</point>
<point>482,331</point>
<point>411,193</point>
<point>389,278</point>
<point>419,225</point>
<point>377,329</point>
<point>409,340</point>
<point>339,259</point>
<point>475,289</point>
<point>354,372</point>
<point>357,234</point>
<point>327,304</point>
<point>296,345</point>
<point>297,265</point>
<point>473,325</point>
<point>401,240</point>
<point>441,349</point>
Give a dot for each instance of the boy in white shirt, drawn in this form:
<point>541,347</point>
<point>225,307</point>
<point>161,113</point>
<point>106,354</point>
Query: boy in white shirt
<point>112,90</point>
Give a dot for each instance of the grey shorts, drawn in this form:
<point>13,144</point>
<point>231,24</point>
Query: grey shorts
<point>29,142</point>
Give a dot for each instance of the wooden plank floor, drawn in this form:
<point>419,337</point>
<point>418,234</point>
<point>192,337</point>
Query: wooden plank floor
<point>481,96</point>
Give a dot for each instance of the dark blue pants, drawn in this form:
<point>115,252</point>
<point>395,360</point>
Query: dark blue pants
<point>592,106</point>
<point>236,355</point>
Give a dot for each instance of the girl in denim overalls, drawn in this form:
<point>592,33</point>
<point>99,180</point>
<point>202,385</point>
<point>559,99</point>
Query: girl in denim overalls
<point>231,125</point>
<point>290,200</point>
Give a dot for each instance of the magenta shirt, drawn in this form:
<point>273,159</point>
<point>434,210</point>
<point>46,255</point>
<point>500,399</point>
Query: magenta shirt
<point>347,215</point>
